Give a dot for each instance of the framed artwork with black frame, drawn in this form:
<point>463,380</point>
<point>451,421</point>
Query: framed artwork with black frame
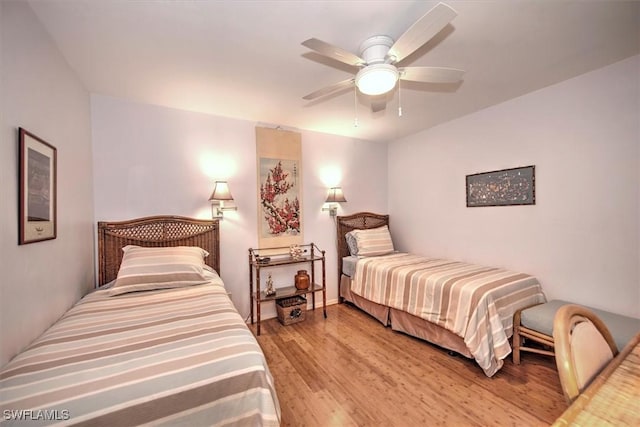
<point>506,187</point>
<point>38,192</point>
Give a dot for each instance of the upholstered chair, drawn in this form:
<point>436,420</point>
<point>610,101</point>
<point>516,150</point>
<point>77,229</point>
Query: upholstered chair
<point>583,347</point>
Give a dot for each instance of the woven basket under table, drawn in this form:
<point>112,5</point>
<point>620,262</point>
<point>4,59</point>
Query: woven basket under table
<point>291,310</point>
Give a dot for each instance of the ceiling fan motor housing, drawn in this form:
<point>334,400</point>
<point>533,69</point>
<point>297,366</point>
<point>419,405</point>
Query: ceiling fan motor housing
<point>374,49</point>
<point>377,77</point>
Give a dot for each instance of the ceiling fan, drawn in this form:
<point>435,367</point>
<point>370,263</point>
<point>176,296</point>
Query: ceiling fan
<point>379,56</point>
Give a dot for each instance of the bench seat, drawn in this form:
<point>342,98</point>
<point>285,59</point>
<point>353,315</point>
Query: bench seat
<point>536,323</point>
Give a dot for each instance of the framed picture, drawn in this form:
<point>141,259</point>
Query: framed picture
<point>37,189</point>
<point>506,187</point>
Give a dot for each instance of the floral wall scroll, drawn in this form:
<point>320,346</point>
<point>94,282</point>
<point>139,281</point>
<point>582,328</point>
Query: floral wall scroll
<point>279,161</point>
<point>279,197</point>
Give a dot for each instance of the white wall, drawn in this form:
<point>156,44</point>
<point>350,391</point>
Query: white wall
<point>40,93</point>
<point>581,239</point>
<point>151,160</point>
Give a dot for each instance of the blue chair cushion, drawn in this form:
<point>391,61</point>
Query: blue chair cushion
<point>540,318</point>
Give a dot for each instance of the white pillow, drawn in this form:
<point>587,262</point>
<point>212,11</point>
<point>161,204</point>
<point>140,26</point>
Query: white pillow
<point>374,241</point>
<point>144,269</point>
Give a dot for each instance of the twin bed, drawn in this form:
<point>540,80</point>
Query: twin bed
<point>170,350</point>
<point>462,307</point>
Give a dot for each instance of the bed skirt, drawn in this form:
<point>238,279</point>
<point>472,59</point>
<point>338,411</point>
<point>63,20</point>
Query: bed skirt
<point>404,322</point>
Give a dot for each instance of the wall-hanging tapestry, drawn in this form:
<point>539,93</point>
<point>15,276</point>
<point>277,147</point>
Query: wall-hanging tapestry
<point>505,187</point>
<point>279,162</point>
<point>37,189</point>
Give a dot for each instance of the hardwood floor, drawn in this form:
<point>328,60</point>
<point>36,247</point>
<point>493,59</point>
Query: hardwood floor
<point>349,370</point>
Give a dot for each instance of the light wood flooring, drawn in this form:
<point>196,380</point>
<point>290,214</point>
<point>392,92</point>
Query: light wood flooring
<point>349,370</point>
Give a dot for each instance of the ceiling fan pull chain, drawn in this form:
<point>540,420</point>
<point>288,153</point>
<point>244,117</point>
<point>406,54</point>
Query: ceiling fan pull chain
<point>399,100</point>
<point>355,106</point>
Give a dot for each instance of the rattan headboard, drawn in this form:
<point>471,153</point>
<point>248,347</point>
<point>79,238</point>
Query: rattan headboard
<point>360,220</point>
<point>157,231</point>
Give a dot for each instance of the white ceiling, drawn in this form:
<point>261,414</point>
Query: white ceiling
<point>243,59</point>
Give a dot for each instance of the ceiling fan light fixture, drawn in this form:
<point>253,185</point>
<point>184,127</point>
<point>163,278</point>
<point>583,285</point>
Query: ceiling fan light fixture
<point>377,79</point>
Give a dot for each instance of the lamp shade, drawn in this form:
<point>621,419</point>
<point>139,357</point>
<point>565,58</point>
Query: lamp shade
<point>377,79</point>
<point>221,191</point>
<point>335,195</point>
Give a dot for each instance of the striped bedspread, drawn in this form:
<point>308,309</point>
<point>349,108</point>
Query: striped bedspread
<point>476,303</point>
<point>165,357</point>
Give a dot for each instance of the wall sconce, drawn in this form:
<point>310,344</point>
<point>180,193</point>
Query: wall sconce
<point>221,193</point>
<point>334,197</point>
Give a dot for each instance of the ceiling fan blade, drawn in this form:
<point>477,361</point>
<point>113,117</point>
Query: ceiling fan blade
<point>329,89</point>
<point>431,74</point>
<point>422,31</point>
<point>334,52</point>
<point>378,105</point>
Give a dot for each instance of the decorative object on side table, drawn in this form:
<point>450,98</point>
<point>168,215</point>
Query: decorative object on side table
<point>295,251</point>
<point>263,260</point>
<point>302,280</point>
<point>270,289</point>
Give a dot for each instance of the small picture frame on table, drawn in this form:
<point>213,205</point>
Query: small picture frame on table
<point>38,192</point>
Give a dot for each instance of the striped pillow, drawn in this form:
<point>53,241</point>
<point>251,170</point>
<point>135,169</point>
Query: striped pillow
<point>144,269</point>
<point>374,241</point>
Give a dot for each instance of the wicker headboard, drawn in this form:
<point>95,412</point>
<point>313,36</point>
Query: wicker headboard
<point>155,231</point>
<point>360,220</point>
